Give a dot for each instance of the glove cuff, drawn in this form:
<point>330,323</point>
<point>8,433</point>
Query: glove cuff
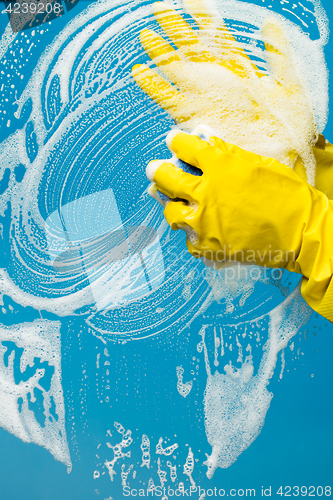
<point>326,305</point>
<point>316,257</point>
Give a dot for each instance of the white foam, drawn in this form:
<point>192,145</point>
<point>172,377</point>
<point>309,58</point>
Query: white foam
<point>39,339</point>
<point>162,474</point>
<point>189,467</point>
<point>165,451</point>
<point>236,402</point>
<point>124,474</point>
<point>273,115</point>
<point>61,58</point>
<point>145,448</point>
<point>173,471</point>
<point>118,452</point>
<point>184,388</point>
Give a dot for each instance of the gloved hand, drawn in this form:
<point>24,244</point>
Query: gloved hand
<point>248,208</point>
<point>214,82</point>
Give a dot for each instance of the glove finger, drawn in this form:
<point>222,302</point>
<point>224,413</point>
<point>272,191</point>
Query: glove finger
<point>278,52</point>
<point>227,45</point>
<point>197,10</point>
<point>162,92</point>
<point>182,35</point>
<point>226,147</point>
<point>159,51</point>
<point>163,54</point>
<point>171,180</point>
<point>177,214</point>
<point>250,157</point>
<point>167,58</point>
<point>187,147</point>
<point>174,25</point>
<point>207,23</point>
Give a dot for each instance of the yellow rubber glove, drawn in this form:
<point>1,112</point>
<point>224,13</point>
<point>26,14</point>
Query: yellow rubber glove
<point>214,82</point>
<point>248,208</point>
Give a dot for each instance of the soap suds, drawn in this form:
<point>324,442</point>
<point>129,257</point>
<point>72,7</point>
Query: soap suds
<point>236,401</point>
<point>39,341</point>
